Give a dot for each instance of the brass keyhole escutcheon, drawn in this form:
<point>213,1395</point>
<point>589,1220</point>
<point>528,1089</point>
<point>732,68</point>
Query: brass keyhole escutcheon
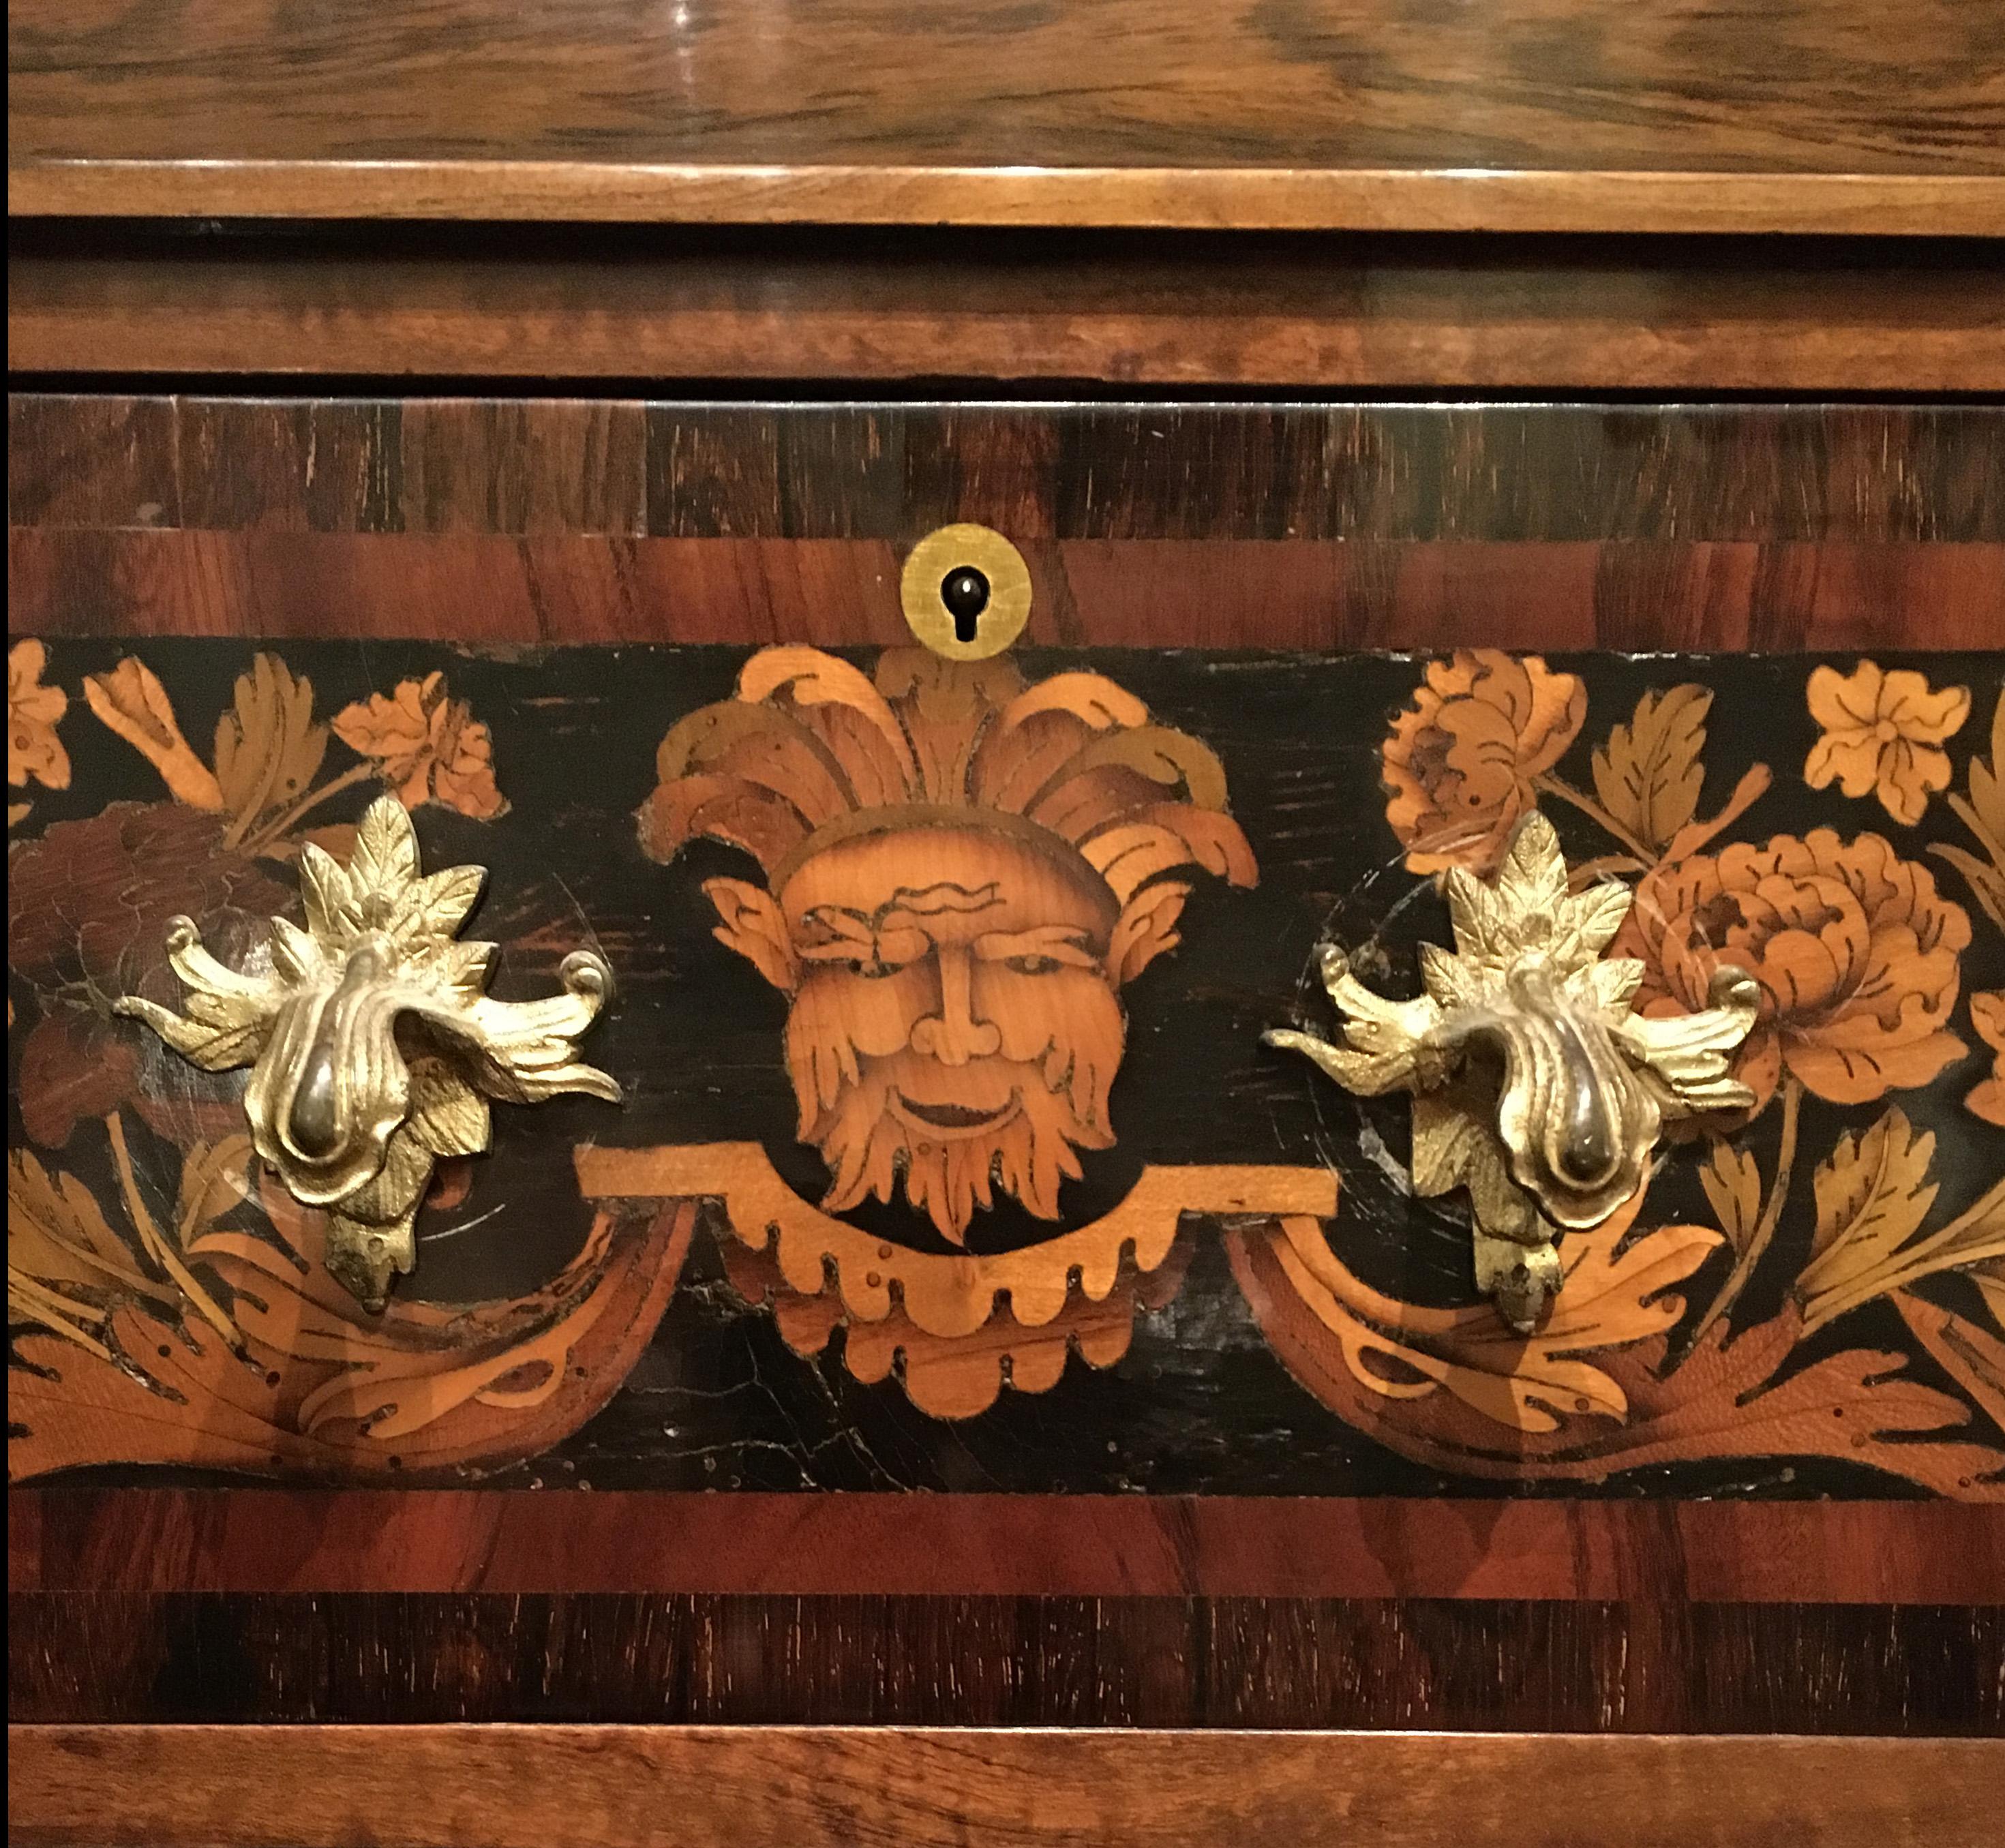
<point>966,592</point>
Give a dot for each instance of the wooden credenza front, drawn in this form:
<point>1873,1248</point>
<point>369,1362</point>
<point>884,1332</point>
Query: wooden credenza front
<point>1124,1450</point>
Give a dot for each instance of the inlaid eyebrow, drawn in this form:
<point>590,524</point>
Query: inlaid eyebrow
<point>852,937</point>
<point>1059,943</point>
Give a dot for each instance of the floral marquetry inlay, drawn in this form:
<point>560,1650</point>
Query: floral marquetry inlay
<point>950,1154</point>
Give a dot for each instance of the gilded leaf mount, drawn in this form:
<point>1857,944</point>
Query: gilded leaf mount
<point>1537,1087</point>
<point>352,1113</point>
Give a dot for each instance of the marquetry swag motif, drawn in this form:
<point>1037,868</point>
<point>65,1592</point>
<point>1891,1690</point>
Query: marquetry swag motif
<point>966,876</point>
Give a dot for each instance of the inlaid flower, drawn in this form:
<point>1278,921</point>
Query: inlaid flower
<point>1987,1016</point>
<point>1883,735</point>
<point>429,748</point>
<point>131,703</point>
<point>1856,953</point>
<point>1461,766</point>
<point>33,711</point>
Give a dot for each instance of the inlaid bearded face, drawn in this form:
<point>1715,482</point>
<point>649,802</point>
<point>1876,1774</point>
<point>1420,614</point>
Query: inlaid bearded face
<point>954,1024</point>
<point>961,873</point>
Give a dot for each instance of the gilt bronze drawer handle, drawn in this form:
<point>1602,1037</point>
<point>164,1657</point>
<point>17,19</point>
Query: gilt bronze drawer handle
<point>351,1112</point>
<point>1535,1086</point>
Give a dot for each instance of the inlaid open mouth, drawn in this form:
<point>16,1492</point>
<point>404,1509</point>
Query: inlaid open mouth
<point>954,1117</point>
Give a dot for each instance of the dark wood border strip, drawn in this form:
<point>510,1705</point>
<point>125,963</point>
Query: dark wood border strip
<point>1694,475</point>
<point>609,1786</point>
<point>528,1541</point>
<point>1461,1664</point>
<point>1197,199</point>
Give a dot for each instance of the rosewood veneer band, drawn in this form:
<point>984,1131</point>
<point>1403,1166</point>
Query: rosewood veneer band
<point>246,1541</point>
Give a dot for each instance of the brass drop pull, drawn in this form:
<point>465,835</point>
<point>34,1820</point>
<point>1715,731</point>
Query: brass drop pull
<point>374,1045</point>
<point>1536,1087</point>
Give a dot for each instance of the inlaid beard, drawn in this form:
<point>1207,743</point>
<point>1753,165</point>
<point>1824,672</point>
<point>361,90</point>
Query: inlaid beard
<point>953,1158</point>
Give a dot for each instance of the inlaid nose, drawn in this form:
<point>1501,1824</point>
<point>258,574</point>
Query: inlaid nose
<point>954,1035</point>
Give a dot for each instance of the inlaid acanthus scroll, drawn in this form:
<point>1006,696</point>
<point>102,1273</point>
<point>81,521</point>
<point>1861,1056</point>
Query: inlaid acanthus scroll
<point>1537,1086</point>
<point>352,1113</point>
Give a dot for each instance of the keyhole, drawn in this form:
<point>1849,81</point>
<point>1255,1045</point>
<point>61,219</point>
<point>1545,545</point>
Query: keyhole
<point>965,590</point>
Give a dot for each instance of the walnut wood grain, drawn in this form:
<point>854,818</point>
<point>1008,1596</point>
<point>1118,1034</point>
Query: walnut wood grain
<point>557,1786</point>
<point>62,1539</point>
<point>1347,114</point>
<point>1851,315</point>
<point>1010,195</point>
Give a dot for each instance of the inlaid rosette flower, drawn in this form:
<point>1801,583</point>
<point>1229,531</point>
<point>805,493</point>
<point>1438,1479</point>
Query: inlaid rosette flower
<point>1856,953</point>
<point>1883,735</point>
<point>1461,765</point>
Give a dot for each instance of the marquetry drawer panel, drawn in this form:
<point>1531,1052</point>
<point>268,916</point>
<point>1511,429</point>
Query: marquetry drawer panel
<point>926,1138</point>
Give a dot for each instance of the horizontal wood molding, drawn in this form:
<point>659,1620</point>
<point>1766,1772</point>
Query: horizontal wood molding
<point>1423,314</point>
<point>1181,198</point>
<point>590,1786</point>
<point>525,1540</point>
<point>1519,116</point>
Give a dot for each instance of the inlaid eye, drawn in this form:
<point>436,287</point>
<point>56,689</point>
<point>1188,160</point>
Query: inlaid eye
<point>1033,965</point>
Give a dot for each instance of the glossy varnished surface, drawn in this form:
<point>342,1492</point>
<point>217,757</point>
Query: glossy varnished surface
<point>1358,114</point>
<point>1227,311</point>
<point>1582,527</point>
<point>555,1787</point>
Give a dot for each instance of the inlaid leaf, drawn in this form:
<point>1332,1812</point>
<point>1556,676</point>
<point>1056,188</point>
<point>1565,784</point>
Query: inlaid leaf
<point>1971,1354</point>
<point>1987,882</point>
<point>1983,813</point>
<point>212,1183</point>
<point>1732,1183</point>
<point>57,1232</point>
<point>1873,1194</point>
<point>268,748</point>
<point>1987,782</point>
<point>1648,774</point>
